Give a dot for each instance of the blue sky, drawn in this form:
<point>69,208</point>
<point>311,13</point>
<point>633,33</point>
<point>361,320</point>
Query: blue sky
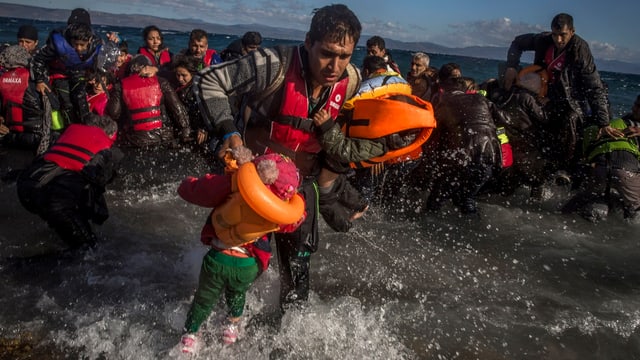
<point>610,27</point>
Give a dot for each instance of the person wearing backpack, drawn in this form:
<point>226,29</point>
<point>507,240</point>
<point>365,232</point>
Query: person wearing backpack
<point>284,87</point>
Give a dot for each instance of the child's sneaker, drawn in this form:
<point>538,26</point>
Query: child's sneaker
<point>189,343</point>
<point>230,333</point>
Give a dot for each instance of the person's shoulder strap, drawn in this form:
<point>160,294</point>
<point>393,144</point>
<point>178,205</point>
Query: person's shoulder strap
<point>354,80</point>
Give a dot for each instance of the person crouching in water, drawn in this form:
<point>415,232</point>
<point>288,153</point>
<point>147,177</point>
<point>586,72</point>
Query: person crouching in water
<point>65,185</point>
<point>613,163</point>
<point>468,148</point>
<point>257,198</point>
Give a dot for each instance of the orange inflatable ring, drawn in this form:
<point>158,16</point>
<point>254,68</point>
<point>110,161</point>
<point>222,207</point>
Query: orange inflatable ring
<point>388,114</point>
<point>263,201</point>
<point>374,114</point>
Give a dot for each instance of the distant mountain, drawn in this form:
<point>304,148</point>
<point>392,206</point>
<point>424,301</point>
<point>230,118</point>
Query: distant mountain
<point>134,20</point>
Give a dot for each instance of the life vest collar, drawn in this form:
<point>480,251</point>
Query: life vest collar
<point>69,56</point>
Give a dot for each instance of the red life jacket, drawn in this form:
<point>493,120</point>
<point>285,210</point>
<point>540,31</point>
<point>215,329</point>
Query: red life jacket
<point>77,145</point>
<point>554,64</point>
<point>208,56</point>
<point>97,103</point>
<point>13,85</point>
<point>164,58</point>
<point>293,127</point>
<point>143,97</point>
<point>121,72</point>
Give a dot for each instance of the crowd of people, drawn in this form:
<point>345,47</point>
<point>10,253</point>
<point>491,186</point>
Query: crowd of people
<point>322,136</point>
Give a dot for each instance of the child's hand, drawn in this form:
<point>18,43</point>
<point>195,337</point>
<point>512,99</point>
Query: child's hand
<point>4,130</point>
<point>201,137</point>
<point>42,88</point>
<point>632,131</point>
<point>113,36</point>
<point>321,117</point>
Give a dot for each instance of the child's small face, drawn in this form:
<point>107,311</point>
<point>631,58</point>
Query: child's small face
<point>96,85</point>
<point>80,46</point>
<point>183,76</point>
<point>121,58</point>
<point>153,40</point>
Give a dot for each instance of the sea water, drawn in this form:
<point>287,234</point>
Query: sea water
<point>623,88</point>
<point>521,282</point>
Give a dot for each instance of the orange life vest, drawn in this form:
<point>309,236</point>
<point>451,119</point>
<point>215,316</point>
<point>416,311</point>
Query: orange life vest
<point>388,114</point>
<point>252,209</point>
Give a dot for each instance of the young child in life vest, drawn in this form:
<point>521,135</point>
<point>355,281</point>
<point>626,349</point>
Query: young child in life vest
<point>340,202</point>
<point>248,203</point>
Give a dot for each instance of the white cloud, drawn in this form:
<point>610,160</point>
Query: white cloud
<point>296,14</point>
<point>606,51</point>
<point>495,32</point>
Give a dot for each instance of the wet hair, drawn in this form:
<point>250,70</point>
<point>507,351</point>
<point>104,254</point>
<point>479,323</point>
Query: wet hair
<point>137,63</point>
<point>422,56</point>
<point>446,70</point>
<point>123,47</point>
<point>470,82</point>
<point>372,63</point>
<point>561,20</point>
<point>454,84</point>
<point>188,62</point>
<point>376,41</point>
<point>109,78</point>
<point>334,23</point>
<point>251,38</point>
<point>78,31</point>
<point>197,35</point>
<point>109,126</point>
<point>146,31</point>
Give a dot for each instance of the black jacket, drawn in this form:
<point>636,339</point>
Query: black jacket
<point>578,83</point>
<point>233,51</point>
<point>47,54</point>
<point>466,129</point>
